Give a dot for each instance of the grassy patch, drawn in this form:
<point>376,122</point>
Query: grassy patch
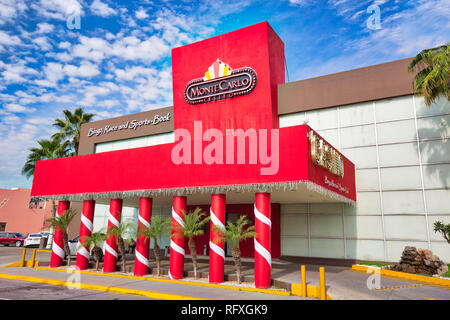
<point>447,274</point>
<point>375,264</point>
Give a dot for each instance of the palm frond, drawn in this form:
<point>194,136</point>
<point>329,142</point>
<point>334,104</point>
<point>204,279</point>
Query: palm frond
<point>125,230</point>
<point>432,73</point>
<point>61,222</point>
<point>194,224</point>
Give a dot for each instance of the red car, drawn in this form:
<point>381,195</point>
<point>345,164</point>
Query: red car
<point>15,238</point>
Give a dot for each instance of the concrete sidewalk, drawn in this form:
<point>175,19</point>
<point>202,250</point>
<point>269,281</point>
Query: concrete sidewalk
<point>182,291</point>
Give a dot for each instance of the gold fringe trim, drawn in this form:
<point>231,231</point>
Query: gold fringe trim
<point>257,187</point>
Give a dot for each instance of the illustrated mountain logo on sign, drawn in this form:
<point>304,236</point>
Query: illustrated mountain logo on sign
<point>220,82</point>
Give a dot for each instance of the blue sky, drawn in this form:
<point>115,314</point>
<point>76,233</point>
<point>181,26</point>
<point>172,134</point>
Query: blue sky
<point>119,61</point>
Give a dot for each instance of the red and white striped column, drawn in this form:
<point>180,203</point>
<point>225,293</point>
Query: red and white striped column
<point>176,268</point>
<point>115,212</point>
<point>216,249</point>
<point>57,257</point>
<point>86,226</point>
<point>141,263</point>
<point>263,225</point>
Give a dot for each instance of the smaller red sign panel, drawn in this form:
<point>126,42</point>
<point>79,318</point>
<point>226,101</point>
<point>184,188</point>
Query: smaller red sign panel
<point>328,168</point>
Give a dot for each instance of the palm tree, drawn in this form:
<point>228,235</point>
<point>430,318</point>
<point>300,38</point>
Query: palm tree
<point>48,149</point>
<point>62,223</point>
<point>70,126</point>
<point>433,73</point>
<point>95,240</point>
<point>123,231</point>
<point>443,229</point>
<point>194,223</point>
<point>158,227</point>
<point>236,232</point>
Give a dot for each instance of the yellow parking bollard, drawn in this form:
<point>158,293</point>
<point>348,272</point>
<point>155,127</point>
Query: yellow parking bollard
<point>303,273</point>
<point>33,258</point>
<point>323,293</point>
<point>24,253</point>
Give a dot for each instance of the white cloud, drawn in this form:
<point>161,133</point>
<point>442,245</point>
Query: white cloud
<point>16,108</point>
<point>91,48</point>
<point>64,45</point>
<point>10,119</point>
<point>102,9</point>
<point>300,3</point>
<point>141,14</point>
<point>61,56</point>
<point>130,73</point>
<point>40,121</point>
<point>108,103</point>
<point>55,72</point>
<point>402,34</point>
<point>44,27</point>
<point>10,9</point>
<point>57,9</point>
<point>6,39</point>
<point>85,70</point>
<point>131,48</point>
<point>14,73</point>
<point>43,43</point>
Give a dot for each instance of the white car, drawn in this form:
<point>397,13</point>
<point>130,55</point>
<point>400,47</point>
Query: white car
<point>45,234</point>
<point>32,239</point>
<point>73,246</point>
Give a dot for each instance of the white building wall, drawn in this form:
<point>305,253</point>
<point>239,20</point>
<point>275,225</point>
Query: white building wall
<point>402,155</point>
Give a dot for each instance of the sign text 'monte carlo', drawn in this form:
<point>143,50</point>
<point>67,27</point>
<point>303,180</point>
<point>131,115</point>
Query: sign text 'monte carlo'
<point>322,154</point>
<point>130,125</point>
<point>220,82</point>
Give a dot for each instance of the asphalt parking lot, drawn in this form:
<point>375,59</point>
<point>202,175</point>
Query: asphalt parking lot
<point>21,290</point>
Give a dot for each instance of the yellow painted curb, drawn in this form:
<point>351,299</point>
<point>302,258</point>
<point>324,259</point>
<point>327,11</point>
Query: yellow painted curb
<point>311,291</point>
<point>209,285</point>
<point>149,294</point>
<point>28,263</point>
<point>407,276</point>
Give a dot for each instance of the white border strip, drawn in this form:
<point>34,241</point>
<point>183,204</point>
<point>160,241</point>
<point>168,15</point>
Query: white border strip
<point>113,220</point>
<point>177,218</point>
<point>176,247</point>
<point>144,222</point>
<point>58,250</point>
<point>142,259</point>
<point>216,220</point>
<point>218,250</point>
<point>83,251</point>
<point>110,250</point>
<point>87,223</point>
<point>261,217</point>
<point>263,252</point>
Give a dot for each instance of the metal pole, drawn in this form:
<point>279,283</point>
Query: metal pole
<point>323,294</point>
<point>303,273</point>
<point>24,253</point>
<point>33,258</point>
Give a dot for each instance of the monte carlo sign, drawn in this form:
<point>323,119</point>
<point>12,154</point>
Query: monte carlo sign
<point>220,82</point>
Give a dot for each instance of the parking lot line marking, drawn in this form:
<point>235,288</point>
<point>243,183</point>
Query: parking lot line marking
<point>148,294</point>
<point>400,287</point>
